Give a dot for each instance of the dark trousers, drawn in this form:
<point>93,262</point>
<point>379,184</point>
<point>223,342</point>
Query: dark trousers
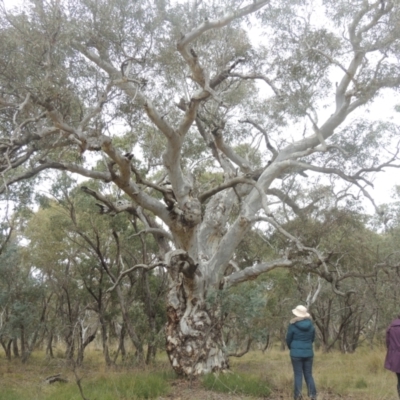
<point>398,383</point>
<point>303,366</point>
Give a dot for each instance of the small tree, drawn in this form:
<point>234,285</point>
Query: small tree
<point>24,305</point>
<point>71,246</point>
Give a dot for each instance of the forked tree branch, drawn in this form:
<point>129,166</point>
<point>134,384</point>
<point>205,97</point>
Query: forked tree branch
<point>223,21</point>
<point>132,269</point>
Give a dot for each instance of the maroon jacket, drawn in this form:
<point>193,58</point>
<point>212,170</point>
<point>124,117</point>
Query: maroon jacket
<point>392,361</point>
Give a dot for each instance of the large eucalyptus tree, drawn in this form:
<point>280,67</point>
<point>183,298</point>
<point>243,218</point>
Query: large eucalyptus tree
<point>205,115</point>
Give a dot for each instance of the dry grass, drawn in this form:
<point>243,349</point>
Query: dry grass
<point>347,376</point>
<point>338,376</point>
<point>26,381</point>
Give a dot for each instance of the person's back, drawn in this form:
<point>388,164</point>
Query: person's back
<point>299,339</point>
<point>301,335</point>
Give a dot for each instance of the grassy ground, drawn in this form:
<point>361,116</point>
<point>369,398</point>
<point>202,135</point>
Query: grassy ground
<point>338,376</point>
<point>348,376</point>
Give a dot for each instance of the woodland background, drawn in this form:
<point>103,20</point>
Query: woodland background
<point>176,176</point>
<point>56,316</point>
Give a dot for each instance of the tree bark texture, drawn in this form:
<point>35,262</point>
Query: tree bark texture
<point>194,330</point>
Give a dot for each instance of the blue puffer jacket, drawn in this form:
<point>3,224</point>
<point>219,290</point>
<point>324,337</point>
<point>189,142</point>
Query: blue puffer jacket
<point>300,337</point>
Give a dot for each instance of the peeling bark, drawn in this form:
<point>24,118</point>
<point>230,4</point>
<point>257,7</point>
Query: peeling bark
<point>194,343</point>
<point>193,331</point>
<point>194,335</point>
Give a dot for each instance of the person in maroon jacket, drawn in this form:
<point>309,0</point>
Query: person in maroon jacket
<point>392,361</point>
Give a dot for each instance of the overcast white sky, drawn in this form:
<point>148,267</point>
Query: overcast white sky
<point>384,109</point>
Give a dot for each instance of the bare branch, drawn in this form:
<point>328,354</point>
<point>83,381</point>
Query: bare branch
<point>237,353</point>
<point>226,185</point>
<point>55,165</point>
<point>260,76</point>
<point>191,57</point>
<point>223,21</point>
<point>263,131</point>
<point>132,269</point>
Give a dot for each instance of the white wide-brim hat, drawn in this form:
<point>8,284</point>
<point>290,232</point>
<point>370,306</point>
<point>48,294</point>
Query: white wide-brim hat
<point>301,311</point>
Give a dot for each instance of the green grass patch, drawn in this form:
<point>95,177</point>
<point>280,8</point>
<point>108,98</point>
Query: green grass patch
<point>9,394</point>
<point>361,384</point>
<point>122,386</point>
<point>236,384</point>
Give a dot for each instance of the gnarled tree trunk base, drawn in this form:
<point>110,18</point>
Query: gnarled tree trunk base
<point>195,351</point>
<point>193,331</point>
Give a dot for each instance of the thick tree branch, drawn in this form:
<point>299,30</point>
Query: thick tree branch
<point>154,231</point>
<point>229,152</point>
<point>14,163</point>
<point>253,272</point>
<point>103,64</point>
<point>284,197</point>
<point>55,165</point>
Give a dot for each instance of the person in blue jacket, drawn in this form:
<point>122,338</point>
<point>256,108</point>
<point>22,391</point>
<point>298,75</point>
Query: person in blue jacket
<point>299,339</point>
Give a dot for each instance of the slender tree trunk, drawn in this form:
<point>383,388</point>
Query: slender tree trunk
<point>49,346</point>
<point>282,337</point>
<point>82,347</point>
<point>7,347</point>
<point>70,342</point>
<point>267,343</point>
<point>15,347</point>
<point>374,329</point>
<point>30,344</point>
<point>151,318</point>
<point>322,318</point>
<point>23,345</point>
<point>129,327</point>
<point>104,340</point>
<point>121,344</point>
